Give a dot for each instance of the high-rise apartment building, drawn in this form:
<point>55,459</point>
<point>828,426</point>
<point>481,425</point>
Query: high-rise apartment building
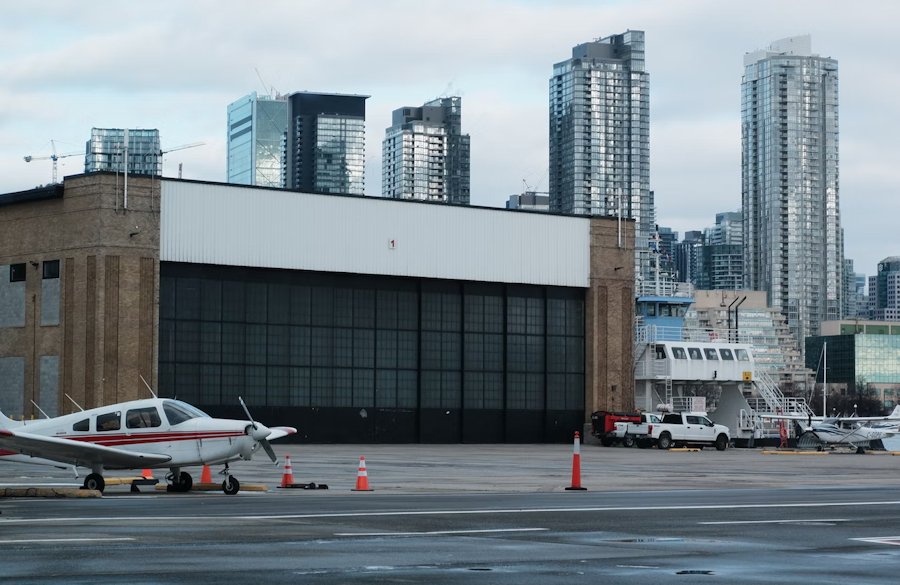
<point>792,231</point>
<point>722,254</point>
<point>884,290</point>
<point>105,151</point>
<point>530,200</point>
<point>425,155</point>
<point>600,135</point>
<point>325,143</point>
<point>256,134</point>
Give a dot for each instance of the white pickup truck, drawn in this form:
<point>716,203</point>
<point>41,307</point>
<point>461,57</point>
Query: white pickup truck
<point>688,428</point>
<point>631,434</point>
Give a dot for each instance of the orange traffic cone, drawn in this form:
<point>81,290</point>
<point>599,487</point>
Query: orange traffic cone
<point>362,477</point>
<point>206,475</point>
<point>576,464</point>
<point>147,474</point>
<point>287,479</point>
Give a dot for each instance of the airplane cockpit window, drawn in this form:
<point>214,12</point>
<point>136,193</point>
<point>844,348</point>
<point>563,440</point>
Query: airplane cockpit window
<point>142,418</point>
<point>178,412</point>
<point>742,355</point>
<point>82,425</point>
<point>111,421</point>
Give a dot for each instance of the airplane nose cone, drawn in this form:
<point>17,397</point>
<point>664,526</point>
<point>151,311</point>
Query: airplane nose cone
<point>259,433</point>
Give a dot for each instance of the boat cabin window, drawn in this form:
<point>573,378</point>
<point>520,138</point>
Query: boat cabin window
<point>742,355</point>
<point>710,353</point>
<point>82,425</point>
<point>660,352</point>
<point>695,354</point>
<point>726,354</point>
<point>142,418</point>
<point>178,412</point>
<point>679,353</point>
<point>111,421</point>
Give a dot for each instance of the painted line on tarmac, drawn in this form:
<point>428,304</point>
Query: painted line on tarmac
<point>59,540</point>
<point>799,520</point>
<point>95,519</point>
<point>442,532</point>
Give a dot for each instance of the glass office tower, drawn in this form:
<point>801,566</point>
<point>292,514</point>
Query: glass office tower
<point>600,135</point>
<point>325,143</point>
<point>793,242</point>
<point>105,151</point>
<point>425,155</point>
<point>256,127</point>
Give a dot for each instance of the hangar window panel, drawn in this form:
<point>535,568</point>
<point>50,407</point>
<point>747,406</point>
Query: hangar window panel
<point>515,391</point>
<point>493,314</point>
<point>451,351</point>
<point>473,318</point>
<point>210,384</point>
<point>187,301</point>
<point>300,305</point>
<point>279,304</point>
<point>534,316</point>
<point>516,353</point>
<point>343,348</point>
<point>534,388</point>
<point>473,393</point>
<point>363,348</point>
<point>575,355</point>
<point>187,335</point>
<point>343,388</point>
<point>451,390</point>
<point>279,344</point>
<point>575,392</point>
<point>493,390</point>
<point>363,388</point>
<point>257,297</point>
<point>321,382</point>
<point>255,380</point>
<point>166,341</point>
<point>474,352</point>
<point>431,350</point>
<point>407,349</point>
<point>300,346</point>
<point>167,378</point>
<point>300,387</point>
<point>386,388</point>
<point>210,300</point>
<point>232,383</point>
<point>556,391</point>
<point>556,354</point>
<point>321,306</point>
<point>343,307</point>
<point>407,310</point>
<point>407,388</point>
<point>575,317</point>
<point>493,352</point>
<point>386,309</point>
<point>556,316</point>
<point>431,311</point>
<point>386,344</point>
<point>255,345</point>
<point>431,389</point>
<point>451,312</point>
<point>167,298</point>
<point>210,342</point>
<point>320,346</point>
<point>233,301</point>
<point>364,308</point>
<point>534,347</point>
<point>515,315</point>
<point>187,382</point>
<point>279,384</point>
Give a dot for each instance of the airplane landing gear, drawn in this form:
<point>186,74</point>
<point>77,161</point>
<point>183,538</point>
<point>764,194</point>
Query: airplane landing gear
<point>94,481</point>
<point>231,485</point>
<point>179,481</point>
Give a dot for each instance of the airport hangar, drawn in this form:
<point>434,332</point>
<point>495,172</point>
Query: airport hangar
<point>355,319</point>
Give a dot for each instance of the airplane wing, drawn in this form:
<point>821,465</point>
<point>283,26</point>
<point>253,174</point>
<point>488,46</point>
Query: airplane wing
<point>76,452</point>
<point>278,432</point>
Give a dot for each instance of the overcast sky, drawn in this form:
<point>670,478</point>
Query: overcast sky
<point>66,67</point>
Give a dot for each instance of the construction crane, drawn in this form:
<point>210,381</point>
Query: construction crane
<point>53,157</point>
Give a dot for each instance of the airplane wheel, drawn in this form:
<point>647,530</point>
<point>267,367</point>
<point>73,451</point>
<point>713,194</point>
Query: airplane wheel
<point>94,481</point>
<point>231,485</point>
<point>185,481</point>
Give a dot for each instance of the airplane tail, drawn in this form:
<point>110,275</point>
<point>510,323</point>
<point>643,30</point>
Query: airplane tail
<point>895,413</point>
<point>7,423</point>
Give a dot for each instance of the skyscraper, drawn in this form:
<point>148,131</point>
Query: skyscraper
<point>105,151</point>
<point>325,144</point>
<point>425,155</point>
<point>884,290</point>
<point>256,133</point>
<point>792,231</point>
<point>600,135</point>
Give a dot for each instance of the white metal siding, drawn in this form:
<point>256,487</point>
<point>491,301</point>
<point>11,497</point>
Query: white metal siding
<point>245,226</point>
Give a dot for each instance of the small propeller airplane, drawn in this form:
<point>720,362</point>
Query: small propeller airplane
<point>852,431</point>
<point>140,434</point>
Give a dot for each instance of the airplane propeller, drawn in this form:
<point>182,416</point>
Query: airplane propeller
<point>259,434</point>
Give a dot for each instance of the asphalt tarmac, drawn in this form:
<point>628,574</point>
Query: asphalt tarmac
<point>476,513</point>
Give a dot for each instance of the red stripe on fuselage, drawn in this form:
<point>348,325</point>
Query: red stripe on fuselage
<point>161,437</point>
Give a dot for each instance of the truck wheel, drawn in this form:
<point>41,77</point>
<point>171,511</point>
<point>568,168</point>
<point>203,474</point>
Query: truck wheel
<point>628,441</point>
<point>606,441</point>
<point>665,441</point>
<point>721,442</point>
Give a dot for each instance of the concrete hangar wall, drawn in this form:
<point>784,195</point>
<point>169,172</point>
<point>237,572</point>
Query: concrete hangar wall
<point>364,319</point>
